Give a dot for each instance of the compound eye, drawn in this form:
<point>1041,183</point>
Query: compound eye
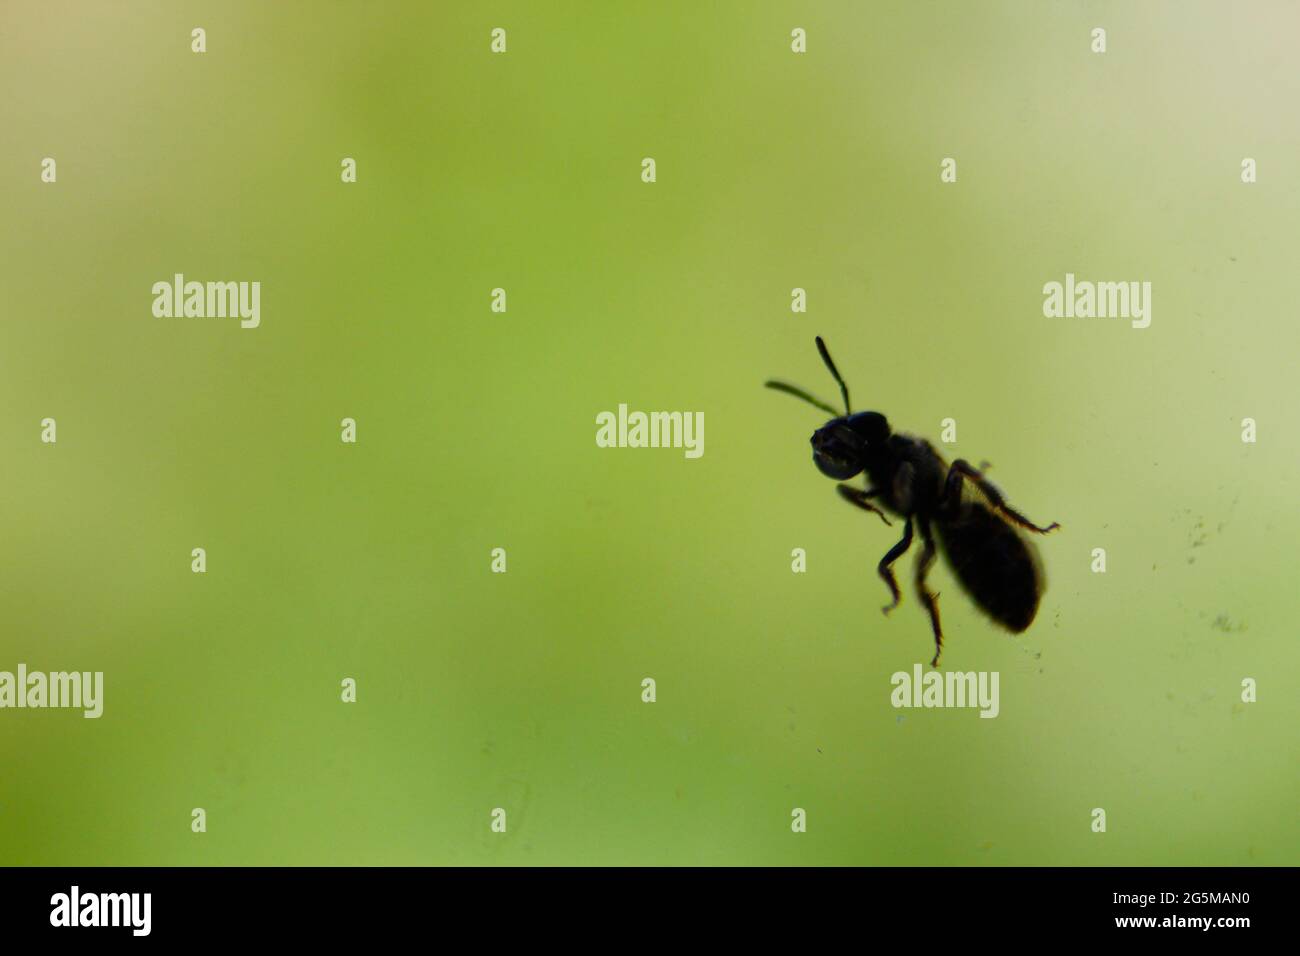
<point>837,468</point>
<point>836,451</point>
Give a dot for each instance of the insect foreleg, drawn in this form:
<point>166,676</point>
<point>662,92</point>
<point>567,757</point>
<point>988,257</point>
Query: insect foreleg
<point>859,497</point>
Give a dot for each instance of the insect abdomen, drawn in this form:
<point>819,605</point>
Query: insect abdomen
<point>995,564</point>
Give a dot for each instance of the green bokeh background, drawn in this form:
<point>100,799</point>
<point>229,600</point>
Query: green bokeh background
<point>476,430</point>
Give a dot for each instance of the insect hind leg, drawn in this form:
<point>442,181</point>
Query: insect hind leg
<point>962,469</point>
<point>929,598</point>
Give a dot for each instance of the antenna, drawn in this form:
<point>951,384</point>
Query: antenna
<point>800,393</point>
<point>830,364</point>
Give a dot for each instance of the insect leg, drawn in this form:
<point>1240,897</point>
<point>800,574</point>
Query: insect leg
<point>960,469</point>
<point>859,497</point>
<point>931,600</point>
<point>893,555</point>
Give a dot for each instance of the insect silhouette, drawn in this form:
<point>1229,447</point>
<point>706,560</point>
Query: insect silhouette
<point>994,562</point>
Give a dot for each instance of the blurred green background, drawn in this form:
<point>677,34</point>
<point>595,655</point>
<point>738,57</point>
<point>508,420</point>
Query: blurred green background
<point>476,430</point>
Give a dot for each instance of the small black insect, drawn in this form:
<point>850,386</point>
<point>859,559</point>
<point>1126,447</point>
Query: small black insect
<point>995,563</point>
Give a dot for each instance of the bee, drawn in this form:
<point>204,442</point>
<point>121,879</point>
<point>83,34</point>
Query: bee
<point>980,533</point>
